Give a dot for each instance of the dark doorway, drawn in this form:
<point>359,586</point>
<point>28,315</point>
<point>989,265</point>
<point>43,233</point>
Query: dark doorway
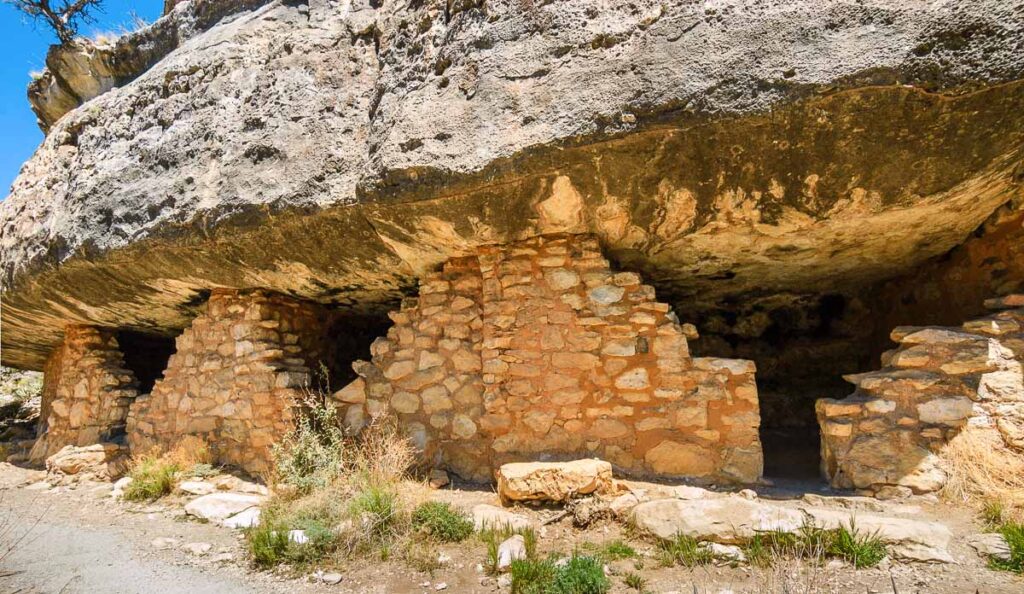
<point>146,355</point>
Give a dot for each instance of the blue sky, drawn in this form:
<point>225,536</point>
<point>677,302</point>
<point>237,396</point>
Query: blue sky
<point>23,49</point>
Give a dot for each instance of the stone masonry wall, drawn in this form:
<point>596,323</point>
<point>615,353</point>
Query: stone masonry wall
<point>233,380</point>
<point>537,350</point>
<point>888,436</point>
<point>86,392</point>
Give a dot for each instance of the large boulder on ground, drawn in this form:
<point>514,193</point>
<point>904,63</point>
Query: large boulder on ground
<point>553,481</point>
<point>734,520</point>
<point>101,461</point>
<point>726,520</point>
<point>913,540</point>
<point>218,507</point>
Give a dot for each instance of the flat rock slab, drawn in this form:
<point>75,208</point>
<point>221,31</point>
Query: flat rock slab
<point>486,517</point>
<point>914,540</point>
<point>553,481</point>
<point>218,507</point>
<point>726,520</point>
<point>734,520</point>
<point>248,518</point>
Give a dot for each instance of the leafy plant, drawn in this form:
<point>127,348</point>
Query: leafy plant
<point>441,521</point>
<point>313,453</point>
<point>267,543</point>
<point>581,575</point>
<point>617,550</point>
<point>1013,532</point>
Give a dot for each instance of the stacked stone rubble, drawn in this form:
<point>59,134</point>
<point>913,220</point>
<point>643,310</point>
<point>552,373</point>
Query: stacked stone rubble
<point>891,432</point>
<point>537,350</point>
<point>86,392</point>
<point>237,372</point>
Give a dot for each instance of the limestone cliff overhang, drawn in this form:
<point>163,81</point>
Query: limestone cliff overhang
<point>337,151</point>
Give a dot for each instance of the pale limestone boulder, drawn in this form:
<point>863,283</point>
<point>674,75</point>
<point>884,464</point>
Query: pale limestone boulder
<point>218,507</point>
<point>553,481</point>
<point>248,518</point>
<point>726,520</point>
<point>510,550</point>
<point>991,545</point>
<point>913,540</point>
<point>488,517</point>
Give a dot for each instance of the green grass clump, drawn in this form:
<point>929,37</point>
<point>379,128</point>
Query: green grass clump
<point>617,550</point>
<point>379,510</point>
<point>1013,532</point>
<point>993,514</point>
<point>441,521</point>
<point>533,576</point>
<point>684,550</point>
<point>862,550</point>
<point>580,574</point>
<point>635,581</point>
<point>152,478</point>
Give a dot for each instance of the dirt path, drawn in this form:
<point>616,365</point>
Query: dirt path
<point>80,540</point>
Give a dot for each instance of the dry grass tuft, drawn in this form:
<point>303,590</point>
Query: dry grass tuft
<point>982,470</point>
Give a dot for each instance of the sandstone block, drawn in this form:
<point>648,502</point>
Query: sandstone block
<point>553,481</point>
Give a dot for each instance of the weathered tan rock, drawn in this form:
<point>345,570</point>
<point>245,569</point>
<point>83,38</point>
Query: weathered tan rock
<point>727,520</point>
<point>553,481</point>
<point>101,461</point>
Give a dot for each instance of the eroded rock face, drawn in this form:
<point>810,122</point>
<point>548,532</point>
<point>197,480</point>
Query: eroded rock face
<point>339,151</point>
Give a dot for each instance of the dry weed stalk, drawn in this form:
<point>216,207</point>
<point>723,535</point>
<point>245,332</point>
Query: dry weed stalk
<point>982,469</point>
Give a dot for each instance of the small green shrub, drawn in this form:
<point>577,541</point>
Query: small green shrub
<point>581,575</point>
<point>684,550</point>
<point>617,550</point>
<point>862,550</point>
<point>268,543</point>
<point>635,581</point>
<point>313,453</point>
<point>533,576</point>
<point>1013,532</point>
<point>321,541</point>
<point>152,478</point>
<point>201,471</point>
<point>441,521</point>
<point>378,509</point>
